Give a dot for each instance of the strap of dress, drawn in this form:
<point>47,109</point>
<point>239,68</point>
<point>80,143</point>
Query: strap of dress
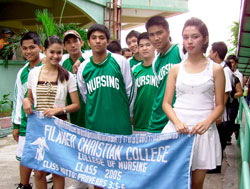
<point>181,68</point>
<point>210,67</point>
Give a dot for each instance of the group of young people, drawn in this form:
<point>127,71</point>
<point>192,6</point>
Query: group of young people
<point>180,89</point>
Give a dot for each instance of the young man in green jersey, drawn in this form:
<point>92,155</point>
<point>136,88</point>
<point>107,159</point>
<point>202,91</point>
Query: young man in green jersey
<point>106,85</point>
<point>146,84</point>
<point>169,54</point>
<point>72,43</point>
<point>30,46</point>
<point>131,40</point>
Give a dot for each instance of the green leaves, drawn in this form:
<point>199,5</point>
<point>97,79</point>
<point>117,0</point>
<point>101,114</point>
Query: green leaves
<point>5,104</point>
<point>47,28</point>
<point>50,27</point>
<point>234,38</point>
<point>47,21</point>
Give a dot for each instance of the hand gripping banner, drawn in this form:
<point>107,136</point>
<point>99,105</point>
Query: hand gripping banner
<point>150,161</point>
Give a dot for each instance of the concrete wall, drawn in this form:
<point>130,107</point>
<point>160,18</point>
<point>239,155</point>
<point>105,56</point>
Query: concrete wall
<point>8,76</point>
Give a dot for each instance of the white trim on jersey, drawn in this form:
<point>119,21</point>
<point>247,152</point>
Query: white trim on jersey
<point>128,79</point>
<point>133,68</point>
<point>19,93</point>
<point>87,54</point>
<point>64,57</point>
<point>81,81</point>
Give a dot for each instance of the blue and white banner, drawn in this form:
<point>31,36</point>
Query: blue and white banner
<point>154,161</point>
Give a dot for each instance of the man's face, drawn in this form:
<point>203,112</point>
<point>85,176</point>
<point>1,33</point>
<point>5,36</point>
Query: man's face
<point>73,45</point>
<point>212,54</point>
<point>128,54</point>
<point>146,49</point>
<point>98,42</point>
<point>159,37</point>
<point>6,35</point>
<point>234,64</point>
<point>132,44</point>
<point>30,50</point>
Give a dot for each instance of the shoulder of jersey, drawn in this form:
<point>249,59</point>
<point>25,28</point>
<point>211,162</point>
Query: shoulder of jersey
<point>83,64</point>
<point>135,66</point>
<point>130,58</point>
<point>118,56</point>
<point>41,55</point>
<point>87,54</point>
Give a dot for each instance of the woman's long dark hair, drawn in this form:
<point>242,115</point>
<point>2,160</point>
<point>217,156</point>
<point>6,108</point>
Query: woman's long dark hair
<point>63,74</point>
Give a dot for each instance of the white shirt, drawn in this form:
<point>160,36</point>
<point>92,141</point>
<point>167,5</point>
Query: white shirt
<point>240,76</point>
<point>228,84</point>
<point>63,88</point>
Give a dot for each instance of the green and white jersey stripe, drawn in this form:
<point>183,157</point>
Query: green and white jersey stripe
<point>18,116</point>
<point>19,92</point>
<point>133,62</point>
<point>108,89</point>
<point>77,118</point>
<point>161,69</point>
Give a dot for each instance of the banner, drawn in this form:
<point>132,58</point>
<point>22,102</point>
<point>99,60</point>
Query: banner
<point>155,161</point>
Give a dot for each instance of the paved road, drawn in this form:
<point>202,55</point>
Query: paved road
<point>9,172</point>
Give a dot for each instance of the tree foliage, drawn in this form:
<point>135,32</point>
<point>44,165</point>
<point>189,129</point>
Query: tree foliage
<point>47,28</point>
<point>234,38</point>
<point>50,27</point>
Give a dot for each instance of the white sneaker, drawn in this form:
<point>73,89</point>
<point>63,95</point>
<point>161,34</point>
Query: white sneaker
<point>78,185</point>
<point>49,178</point>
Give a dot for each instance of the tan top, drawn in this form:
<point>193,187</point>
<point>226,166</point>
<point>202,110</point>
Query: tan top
<point>46,93</point>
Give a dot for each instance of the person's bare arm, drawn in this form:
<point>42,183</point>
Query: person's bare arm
<point>167,101</point>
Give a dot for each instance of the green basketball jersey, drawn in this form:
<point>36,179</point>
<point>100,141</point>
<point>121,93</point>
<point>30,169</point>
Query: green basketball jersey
<point>108,90</point>
<point>77,118</point>
<point>146,83</point>
<point>161,69</point>
<point>19,119</point>
<point>133,61</point>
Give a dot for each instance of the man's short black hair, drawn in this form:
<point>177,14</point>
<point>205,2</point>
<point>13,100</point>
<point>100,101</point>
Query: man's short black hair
<point>98,27</point>
<point>143,35</point>
<point>132,33</point>
<point>125,50</point>
<point>114,46</point>
<point>6,31</point>
<point>233,57</point>
<point>221,48</point>
<point>156,21</point>
<point>31,35</point>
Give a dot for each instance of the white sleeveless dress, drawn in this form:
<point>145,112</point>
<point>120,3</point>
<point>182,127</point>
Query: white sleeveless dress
<point>194,103</point>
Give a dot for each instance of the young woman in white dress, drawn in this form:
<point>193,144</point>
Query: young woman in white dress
<point>199,85</point>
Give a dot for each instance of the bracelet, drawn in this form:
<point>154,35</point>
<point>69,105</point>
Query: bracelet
<point>64,110</point>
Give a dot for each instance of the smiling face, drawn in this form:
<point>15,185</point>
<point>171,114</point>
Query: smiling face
<point>159,37</point>
<point>98,42</point>
<point>132,44</point>
<point>73,45</point>
<point>193,41</point>
<point>54,54</point>
<point>30,50</point>
<point>146,49</point>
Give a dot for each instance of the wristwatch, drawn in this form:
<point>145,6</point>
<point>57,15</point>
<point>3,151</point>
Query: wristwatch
<point>64,110</point>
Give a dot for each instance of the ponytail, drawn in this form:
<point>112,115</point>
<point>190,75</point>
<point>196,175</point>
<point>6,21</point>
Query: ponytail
<point>63,74</point>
